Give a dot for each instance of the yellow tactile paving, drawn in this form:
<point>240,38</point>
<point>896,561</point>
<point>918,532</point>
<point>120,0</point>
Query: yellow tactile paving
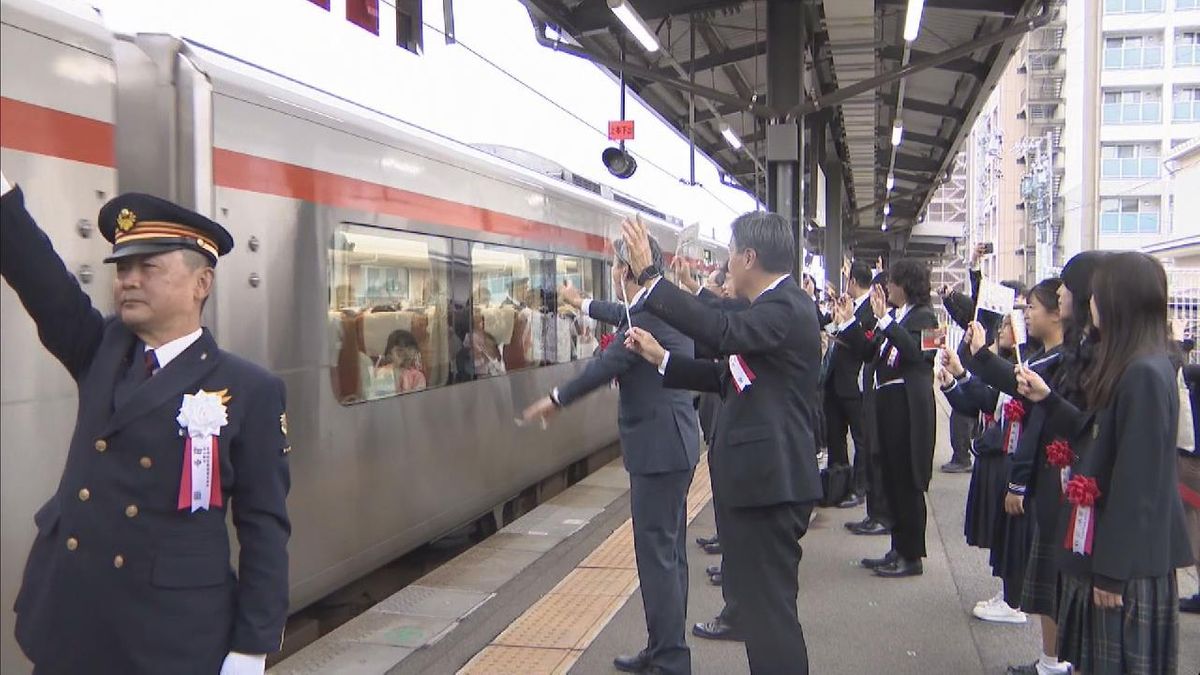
<point>557,620</point>
<point>551,635</point>
<point>499,660</point>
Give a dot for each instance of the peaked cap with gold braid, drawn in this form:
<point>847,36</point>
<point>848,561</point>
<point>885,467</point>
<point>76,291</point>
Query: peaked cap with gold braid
<point>140,224</point>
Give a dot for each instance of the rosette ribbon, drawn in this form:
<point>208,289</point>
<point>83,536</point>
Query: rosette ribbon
<point>1060,455</point>
<point>1014,414</point>
<point>202,415</point>
<point>1082,492</point>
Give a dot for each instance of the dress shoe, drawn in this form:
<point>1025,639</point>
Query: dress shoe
<point>900,568</point>
<point>706,541</point>
<point>713,569</point>
<point>712,549</point>
<point>638,663</point>
<point>715,579</point>
<point>857,523</point>
<point>716,629</point>
<point>875,563</point>
<point>956,467</point>
<point>871,527</point>
<point>1190,605</point>
<point>854,500</point>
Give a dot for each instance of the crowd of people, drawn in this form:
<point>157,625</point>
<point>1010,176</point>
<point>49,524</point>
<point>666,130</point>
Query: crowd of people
<point>1073,413</point>
<point>1084,446</point>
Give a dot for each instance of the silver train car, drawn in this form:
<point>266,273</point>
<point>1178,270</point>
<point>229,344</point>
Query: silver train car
<point>357,236</point>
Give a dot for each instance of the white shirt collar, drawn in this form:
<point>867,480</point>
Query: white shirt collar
<point>858,302</point>
<point>902,312</point>
<point>773,286</point>
<point>167,353</point>
<point>637,297</point>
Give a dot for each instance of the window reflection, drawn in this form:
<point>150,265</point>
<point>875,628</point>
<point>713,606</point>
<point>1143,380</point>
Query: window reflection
<point>579,329</point>
<point>388,313</point>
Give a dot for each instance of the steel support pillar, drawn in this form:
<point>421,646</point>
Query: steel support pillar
<point>834,248</point>
<point>786,47</point>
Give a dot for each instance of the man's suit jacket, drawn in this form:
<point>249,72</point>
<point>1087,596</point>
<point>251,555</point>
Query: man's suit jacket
<point>120,580</point>
<point>844,364</point>
<point>895,352</point>
<point>658,426</point>
<point>763,451</point>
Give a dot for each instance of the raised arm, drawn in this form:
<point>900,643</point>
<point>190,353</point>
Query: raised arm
<point>907,338</point>
<point>693,374</point>
<point>68,325</point>
<point>994,370</point>
<point>759,328</point>
<point>612,313</point>
<point>612,362</point>
<point>259,505</point>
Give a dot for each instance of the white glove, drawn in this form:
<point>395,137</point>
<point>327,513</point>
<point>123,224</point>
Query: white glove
<point>244,664</point>
<point>5,186</point>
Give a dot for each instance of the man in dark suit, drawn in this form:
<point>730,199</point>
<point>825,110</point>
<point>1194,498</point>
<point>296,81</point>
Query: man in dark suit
<point>763,461</point>
<point>843,387</point>
<point>660,440</point>
<point>902,380</point>
<point>130,570</point>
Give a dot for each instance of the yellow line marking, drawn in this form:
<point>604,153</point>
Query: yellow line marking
<point>551,635</point>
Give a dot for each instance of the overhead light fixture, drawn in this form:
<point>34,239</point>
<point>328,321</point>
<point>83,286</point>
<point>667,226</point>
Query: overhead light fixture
<point>884,226</point>
<point>897,132</point>
<point>634,23</point>
<point>730,137</point>
<point>891,181</point>
<point>912,19</point>
<point>618,162</point>
<point>887,209</point>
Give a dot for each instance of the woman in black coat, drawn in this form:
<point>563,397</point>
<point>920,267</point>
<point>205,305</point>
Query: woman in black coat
<point>1121,533</point>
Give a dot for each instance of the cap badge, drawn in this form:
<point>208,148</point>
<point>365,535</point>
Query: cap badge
<point>125,220</point>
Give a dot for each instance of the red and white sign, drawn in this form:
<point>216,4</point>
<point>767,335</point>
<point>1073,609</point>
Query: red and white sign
<point>620,130</point>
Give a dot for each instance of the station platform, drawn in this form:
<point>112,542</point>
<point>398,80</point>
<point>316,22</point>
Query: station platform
<point>556,592</point>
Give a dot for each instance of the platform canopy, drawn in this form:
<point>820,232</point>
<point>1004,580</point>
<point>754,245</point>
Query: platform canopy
<point>726,71</point>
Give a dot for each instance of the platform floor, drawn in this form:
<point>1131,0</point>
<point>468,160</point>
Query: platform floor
<point>568,600</point>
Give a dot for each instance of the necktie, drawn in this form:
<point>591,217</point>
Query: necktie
<point>151,363</point>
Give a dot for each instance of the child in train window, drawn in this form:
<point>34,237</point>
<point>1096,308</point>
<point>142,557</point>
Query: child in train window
<point>399,367</point>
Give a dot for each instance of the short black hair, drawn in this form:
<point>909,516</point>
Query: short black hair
<point>913,276</point>
<point>770,236</point>
<point>880,279</point>
<point>860,274</point>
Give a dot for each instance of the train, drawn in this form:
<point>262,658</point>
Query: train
<point>355,233</point>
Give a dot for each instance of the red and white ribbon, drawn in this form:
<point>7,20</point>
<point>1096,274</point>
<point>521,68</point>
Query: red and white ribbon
<point>202,415</point>
<point>1081,531</point>
<point>743,377</point>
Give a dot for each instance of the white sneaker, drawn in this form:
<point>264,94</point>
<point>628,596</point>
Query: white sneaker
<point>995,599</point>
<point>1000,612</point>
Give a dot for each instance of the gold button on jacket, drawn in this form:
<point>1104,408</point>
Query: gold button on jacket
<point>131,511</point>
<point>84,495</point>
<point>145,462</point>
<point>101,445</point>
<point>118,562</point>
<point>72,543</point>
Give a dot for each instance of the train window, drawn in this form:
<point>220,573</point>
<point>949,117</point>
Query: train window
<point>579,329</point>
<point>388,312</point>
<point>514,325</point>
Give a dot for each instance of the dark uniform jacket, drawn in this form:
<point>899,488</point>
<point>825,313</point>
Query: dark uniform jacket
<point>895,353</point>
<point>763,451</point>
<point>1128,447</point>
<point>119,580</point>
<point>658,426</point>
<point>844,364</point>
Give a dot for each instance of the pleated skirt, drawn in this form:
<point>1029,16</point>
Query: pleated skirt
<point>985,499</point>
<point>1140,638</point>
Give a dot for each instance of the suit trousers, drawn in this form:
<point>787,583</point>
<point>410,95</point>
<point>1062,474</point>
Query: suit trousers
<point>962,431</point>
<point>762,553</point>
<point>877,502</point>
<point>659,505</point>
<point>906,498</point>
<point>844,414</point>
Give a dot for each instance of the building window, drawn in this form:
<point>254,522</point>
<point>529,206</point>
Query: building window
<point>364,14</point>
<point>1187,4</point>
<point>1129,215</point>
<point>1132,106</point>
<point>1124,52</point>
<point>1132,6</point>
<point>1129,160</point>
<point>1187,48</point>
<point>1187,104</point>
<point>410,33</point>
<point>387,312</point>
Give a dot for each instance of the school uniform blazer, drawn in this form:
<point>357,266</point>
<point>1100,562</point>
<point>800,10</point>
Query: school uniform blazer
<point>1030,454</point>
<point>120,580</point>
<point>1140,529</point>
<point>912,364</point>
<point>763,451</point>
<point>971,396</point>
<point>658,426</point>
